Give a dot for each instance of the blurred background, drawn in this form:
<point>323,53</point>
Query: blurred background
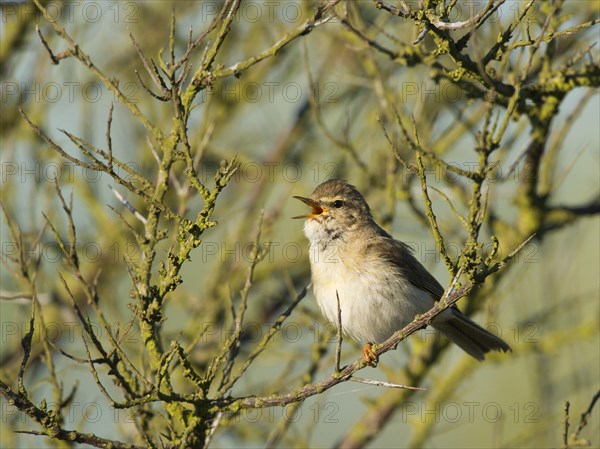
<point>313,111</point>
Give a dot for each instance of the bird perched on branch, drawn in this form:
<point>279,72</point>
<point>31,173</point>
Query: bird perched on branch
<point>380,284</point>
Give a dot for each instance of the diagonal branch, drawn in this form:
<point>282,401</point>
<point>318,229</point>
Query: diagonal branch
<point>452,295</point>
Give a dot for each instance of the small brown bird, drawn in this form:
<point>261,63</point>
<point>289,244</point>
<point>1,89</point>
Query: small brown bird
<point>381,285</point>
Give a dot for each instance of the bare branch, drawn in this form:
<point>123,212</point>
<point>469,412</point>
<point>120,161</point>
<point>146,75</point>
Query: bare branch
<point>451,26</point>
<point>338,346</point>
<point>128,205</point>
<point>380,383</point>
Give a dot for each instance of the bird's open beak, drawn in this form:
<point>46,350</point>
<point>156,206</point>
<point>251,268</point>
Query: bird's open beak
<point>316,208</point>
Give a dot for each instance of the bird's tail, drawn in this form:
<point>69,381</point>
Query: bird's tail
<point>470,336</point>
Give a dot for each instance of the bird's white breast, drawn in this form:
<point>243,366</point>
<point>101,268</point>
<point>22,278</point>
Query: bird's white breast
<point>375,300</point>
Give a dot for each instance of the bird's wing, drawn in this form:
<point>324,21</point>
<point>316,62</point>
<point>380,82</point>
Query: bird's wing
<point>401,255</point>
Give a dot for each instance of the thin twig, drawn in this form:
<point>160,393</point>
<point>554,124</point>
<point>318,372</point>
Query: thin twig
<point>431,216</point>
<point>585,415</point>
<point>109,162</point>
<point>128,205</point>
<point>451,26</point>
<point>498,265</point>
<point>566,426</point>
<point>26,345</point>
<point>403,11</point>
<point>16,296</point>
<point>338,346</point>
<point>380,383</point>
<point>456,213</point>
<point>53,57</point>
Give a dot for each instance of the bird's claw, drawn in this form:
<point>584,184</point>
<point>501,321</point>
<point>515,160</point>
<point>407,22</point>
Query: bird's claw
<point>369,355</point>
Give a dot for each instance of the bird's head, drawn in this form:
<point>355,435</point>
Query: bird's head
<point>336,207</point>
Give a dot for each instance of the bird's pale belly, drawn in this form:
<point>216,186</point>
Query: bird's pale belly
<point>375,302</point>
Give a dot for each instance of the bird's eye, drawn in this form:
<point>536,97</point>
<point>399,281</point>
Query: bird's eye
<point>338,203</point>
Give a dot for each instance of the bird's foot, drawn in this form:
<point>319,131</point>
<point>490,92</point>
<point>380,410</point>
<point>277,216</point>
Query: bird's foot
<point>369,355</point>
